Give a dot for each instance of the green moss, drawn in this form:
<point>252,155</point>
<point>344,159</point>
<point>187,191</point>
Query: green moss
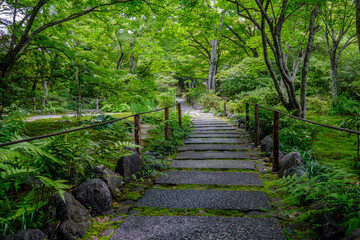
<point>97,227</point>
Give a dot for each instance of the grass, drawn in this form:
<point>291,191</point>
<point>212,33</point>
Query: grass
<point>333,146</point>
<point>52,125</point>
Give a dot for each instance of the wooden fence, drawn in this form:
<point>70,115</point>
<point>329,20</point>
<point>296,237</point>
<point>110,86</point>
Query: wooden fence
<point>276,128</point>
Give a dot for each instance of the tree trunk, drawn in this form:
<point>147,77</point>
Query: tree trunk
<point>45,83</point>
<point>357,4</point>
<point>78,109</point>
<point>334,77</point>
<point>212,65</point>
<point>132,70</point>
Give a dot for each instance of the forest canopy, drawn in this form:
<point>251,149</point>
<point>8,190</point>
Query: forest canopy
<point>63,55</point>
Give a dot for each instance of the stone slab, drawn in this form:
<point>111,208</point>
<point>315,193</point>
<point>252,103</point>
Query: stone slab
<point>207,199</point>
<point>208,122</point>
<point>215,128</point>
<point>212,125</point>
<point>210,178</point>
<point>212,155</point>
<point>198,227</point>
<point>213,147</point>
<point>216,135</point>
<point>216,164</point>
<point>213,140</point>
<point>197,131</point>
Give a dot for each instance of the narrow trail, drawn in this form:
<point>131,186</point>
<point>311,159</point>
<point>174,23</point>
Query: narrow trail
<point>213,174</point>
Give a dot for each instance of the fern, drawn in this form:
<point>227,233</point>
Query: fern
<point>9,171</point>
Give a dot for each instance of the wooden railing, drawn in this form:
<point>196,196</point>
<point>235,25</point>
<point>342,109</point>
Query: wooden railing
<point>137,127</point>
<point>276,128</point>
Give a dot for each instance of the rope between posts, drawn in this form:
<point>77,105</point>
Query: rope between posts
<point>78,129</point>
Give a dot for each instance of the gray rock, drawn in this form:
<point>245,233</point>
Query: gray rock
<point>331,230</point>
<point>129,165</point>
<point>74,218</point>
<point>291,164</point>
<point>94,195</point>
<point>98,171</point>
<point>267,145</point>
<point>29,234</point>
<point>230,115</point>
<point>281,155</point>
<point>113,180</point>
<point>354,235</point>
<point>106,232</point>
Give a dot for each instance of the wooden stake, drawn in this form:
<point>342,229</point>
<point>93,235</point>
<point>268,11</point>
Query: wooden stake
<point>247,122</point>
<point>256,126</point>
<point>97,105</point>
<point>178,106</point>
<point>34,101</point>
<point>276,142</point>
<point>138,132</point>
<point>167,124</point>
<point>225,108</point>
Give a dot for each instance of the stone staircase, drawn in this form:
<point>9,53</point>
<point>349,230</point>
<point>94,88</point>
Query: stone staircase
<point>213,162</point>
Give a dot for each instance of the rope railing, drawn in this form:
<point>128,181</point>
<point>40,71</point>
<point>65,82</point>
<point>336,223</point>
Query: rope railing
<point>137,127</point>
<point>276,128</point>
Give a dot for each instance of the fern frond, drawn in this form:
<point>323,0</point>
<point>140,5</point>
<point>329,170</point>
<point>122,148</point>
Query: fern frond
<point>120,144</point>
<point>9,171</point>
<point>7,155</point>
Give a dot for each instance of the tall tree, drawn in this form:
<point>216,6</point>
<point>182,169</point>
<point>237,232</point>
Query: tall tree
<point>274,23</point>
<point>338,19</point>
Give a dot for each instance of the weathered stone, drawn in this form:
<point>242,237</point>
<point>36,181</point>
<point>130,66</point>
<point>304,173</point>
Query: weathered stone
<point>129,165</point>
<point>212,140</point>
<point>210,178</point>
<point>209,128</point>
<point>215,135</point>
<point>267,145</point>
<point>116,219</point>
<point>212,155</point>
<point>198,131</point>
<point>212,147</point>
<point>207,199</point>
<point>332,230</point>
<point>94,195</point>
<point>113,180</point>
<point>217,125</point>
<point>291,164</point>
<point>216,164</point>
<point>106,232</point>
<point>29,234</point>
<point>198,227</point>
<point>74,218</point>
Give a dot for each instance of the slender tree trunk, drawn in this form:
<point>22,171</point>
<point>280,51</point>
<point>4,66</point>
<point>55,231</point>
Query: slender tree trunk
<point>334,77</point>
<point>78,109</point>
<point>357,5</point>
<point>132,70</point>
<point>45,83</point>
<point>212,65</point>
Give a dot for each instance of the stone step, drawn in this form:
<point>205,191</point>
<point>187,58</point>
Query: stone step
<point>215,128</point>
<point>213,147</point>
<point>216,135</point>
<point>212,155</point>
<point>208,199</point>
<point>213,140</point>
<point>198,131</point>
<point>216,164</point>
<point>212,125</point>
<point>198,227</point>
<point>208,122</point>
<point>210,178</point>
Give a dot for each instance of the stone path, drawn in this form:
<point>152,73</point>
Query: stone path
<point>213,171</point>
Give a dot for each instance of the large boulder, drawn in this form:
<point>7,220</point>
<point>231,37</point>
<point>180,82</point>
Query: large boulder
<point>113,181</point>
<point>266,145</point>
<point>291,164</point>
<point>94,195</point>
<point>74,218</point>
<point>129,165</point>
<point>28,234</point>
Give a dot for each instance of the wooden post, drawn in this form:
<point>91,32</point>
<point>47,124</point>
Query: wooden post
<point>97,105</point>
<point>225,108</point>
<point>34,102</point>
<point>178,106</point>
<point>256,126</point>
<point>138,132</point>
<point>167,124</point>
<point>276,142</point>
<point>247,121</point>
